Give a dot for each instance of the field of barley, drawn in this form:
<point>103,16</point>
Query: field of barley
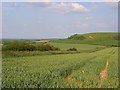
<point>78,70</point>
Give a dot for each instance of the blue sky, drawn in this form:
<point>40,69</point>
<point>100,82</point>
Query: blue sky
<point>57,20</point>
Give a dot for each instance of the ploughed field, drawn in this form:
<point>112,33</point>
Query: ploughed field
<point>77,70</point>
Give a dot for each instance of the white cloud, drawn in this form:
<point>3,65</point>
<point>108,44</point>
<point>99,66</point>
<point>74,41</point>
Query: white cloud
<point>60,0</point>
<point>62,7</point>
<point>78,7</point>
<point>38,0</point>
<point>88,18</point>
<point>67,7</point>
<point>104,0</point>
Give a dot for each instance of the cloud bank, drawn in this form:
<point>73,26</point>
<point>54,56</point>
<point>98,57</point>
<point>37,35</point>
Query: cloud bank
<point>60,0</point>
<point>67,7</point>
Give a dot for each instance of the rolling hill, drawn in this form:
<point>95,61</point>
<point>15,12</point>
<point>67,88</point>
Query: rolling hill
<point>101,38</point>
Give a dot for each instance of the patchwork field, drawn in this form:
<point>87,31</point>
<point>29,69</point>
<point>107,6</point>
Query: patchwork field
<point>61,71</point>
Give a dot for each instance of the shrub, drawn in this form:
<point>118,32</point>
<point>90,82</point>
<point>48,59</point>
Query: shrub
<point>26,46</point>
<point>19,46</point>
<point>72,49</point>
<point>115,45</point>
<point>46,47</point>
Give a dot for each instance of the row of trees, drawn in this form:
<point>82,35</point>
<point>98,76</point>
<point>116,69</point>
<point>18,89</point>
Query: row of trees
<point>25,46</point>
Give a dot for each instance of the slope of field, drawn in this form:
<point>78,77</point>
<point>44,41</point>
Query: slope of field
<point>79,47</point>
<point>92,38</point>
<point>61,71</point>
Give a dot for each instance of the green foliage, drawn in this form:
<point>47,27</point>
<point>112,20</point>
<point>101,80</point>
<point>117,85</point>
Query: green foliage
<point>72,49</point>
<point>115,45</point>
<point>27,46</point>
<point>19,46</point>
<point>46,47</point>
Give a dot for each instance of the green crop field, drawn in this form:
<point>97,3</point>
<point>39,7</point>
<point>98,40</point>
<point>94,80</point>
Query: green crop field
<point>79,47</point>
<point>50,71</point>
<point>75,62</point>
<point>54,44</point>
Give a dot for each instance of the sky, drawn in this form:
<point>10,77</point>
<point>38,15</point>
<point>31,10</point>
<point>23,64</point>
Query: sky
<point>41,20</point>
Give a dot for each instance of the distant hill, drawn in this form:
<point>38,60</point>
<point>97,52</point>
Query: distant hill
<point>101,38</point>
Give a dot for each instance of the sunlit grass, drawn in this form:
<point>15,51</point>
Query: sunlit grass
<point>51,71</point>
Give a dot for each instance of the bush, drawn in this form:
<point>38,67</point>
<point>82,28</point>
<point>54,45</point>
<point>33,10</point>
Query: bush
<point>46,47</point>
<point>26,46</point>
<point>19,46</point>
<point>72,49</point>
<point>115,45</point>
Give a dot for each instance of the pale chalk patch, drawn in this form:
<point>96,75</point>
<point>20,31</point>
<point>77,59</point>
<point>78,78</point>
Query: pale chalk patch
<point>91,37</point>
<point>43,41</point>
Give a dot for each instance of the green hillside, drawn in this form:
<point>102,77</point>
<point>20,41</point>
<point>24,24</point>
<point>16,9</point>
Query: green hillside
<point>101,38</point>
